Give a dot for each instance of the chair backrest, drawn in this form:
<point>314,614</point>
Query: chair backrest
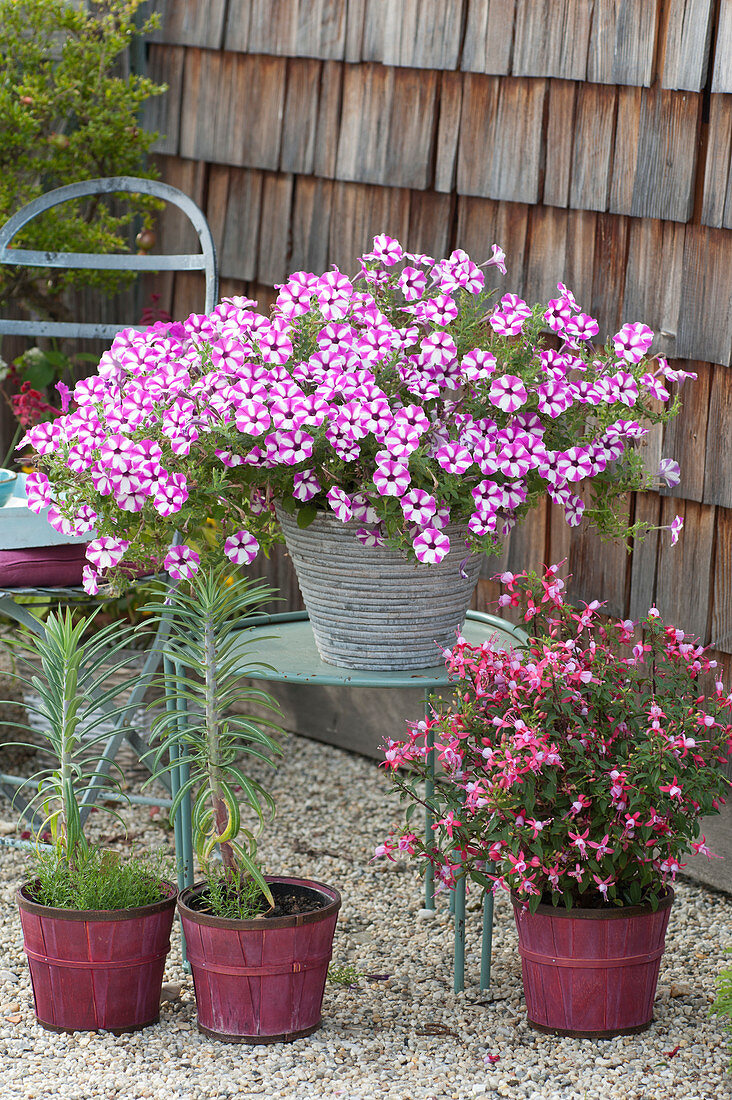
<point>19,257</point>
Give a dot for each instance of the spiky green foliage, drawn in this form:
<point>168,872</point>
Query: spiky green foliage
<point>100,880</point>
<point>209,650</point>
<point>71,675</point>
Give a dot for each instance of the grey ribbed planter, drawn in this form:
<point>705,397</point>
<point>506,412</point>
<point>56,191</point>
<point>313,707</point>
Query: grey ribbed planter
<point>371,607</point>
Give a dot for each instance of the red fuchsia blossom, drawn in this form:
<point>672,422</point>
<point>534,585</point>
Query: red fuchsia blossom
<point>569,771</point>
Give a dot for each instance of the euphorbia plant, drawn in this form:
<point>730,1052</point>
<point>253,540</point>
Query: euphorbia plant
<point>404,399</point>
<point>209,650</point>
<point>71,676</point>
<point>573,770</point>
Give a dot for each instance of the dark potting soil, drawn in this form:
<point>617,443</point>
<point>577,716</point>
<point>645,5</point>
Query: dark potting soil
<point>289,900</point>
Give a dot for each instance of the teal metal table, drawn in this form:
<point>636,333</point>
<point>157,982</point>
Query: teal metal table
<point>285,643</point>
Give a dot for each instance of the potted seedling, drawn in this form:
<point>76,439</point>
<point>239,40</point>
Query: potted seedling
<point>96,924</point>
<point>258,946</point>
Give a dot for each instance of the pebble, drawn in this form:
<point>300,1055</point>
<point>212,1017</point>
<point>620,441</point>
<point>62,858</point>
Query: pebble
<point>406,1038</point>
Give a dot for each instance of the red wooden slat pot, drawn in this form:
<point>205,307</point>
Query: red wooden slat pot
<point>591,973</point>
<point>260,980</point>
<point>96,970</point>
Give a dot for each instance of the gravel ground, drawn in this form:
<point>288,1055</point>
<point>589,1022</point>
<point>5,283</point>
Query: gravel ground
<point>402,1037</point>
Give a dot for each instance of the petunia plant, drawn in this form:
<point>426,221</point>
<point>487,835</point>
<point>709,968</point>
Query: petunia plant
<point>573,771</point>
<point>405,400</point>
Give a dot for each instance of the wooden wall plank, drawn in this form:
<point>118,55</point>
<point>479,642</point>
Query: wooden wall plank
<point>684,576</point>
<point>498,118</point>
<point>410,142</point>
<point>321,28</point>
<point>685,437</point>
<point>482,223</point>
<point>162,112</point>
<point>717,166</point>
<point>561,108</point>
<point>214,126</point>
<point>361,212</point>
<point>592,146</point>
<point>236,32</point>
<point>717,464</point>
<point>273,27</point>
<point>430,223</point>
<point>722,72</point>
<point>488,37</point>
<point>706,296</point>
<point>423,34</point>
<point>311,215</point>
<point>611,256</point>
<point>667,152</point>
<point>647,508</point>
<point>329,117</point>
<point>189,22</point>
<point>237,233</point>
<point>448,130</point>
<point>600,569</point>
<point>274,231</point>
<point>189,294</point>
<point>561,249</point>
<point>367,99</point>
<point>527,542</point>
<point>551,38</point>
<point>625,152</point>
<point>623,42</point>
<point>300,119</point>
<point>688,39</point>
<point>721,626</point>
<point>356,14</point>
<point>653,279</point>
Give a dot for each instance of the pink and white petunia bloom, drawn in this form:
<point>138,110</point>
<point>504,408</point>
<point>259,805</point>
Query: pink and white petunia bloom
<point>340,503</point>
<point>676,528</point>
<point>412,282</point>
<point>507,393</point>
<point>105,553</point>
<point>305,485</point>
<point>431,546</point>
<point>633,342</point>
<point>454,458</point>
<point>171,494</point>
<point>37,491</point>
<point>498,259</point>
<point>181,562</point>
<point>418,507</point>
<point>669,472</point>
<point>391,478</point>
<point>241,547</point>
<point>370,536</point>
<point>387,250</point>
<point>89,580</point>
<point>477,365</point>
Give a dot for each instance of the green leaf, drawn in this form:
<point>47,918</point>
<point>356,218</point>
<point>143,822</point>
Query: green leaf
<point>306,516</point>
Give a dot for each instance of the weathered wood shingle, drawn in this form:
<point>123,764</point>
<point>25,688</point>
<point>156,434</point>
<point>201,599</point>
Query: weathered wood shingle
<point>687,43</point>
<point>551,38</point>
<point>189,22</point>
<point>717,196</point>
<point>422,34</point>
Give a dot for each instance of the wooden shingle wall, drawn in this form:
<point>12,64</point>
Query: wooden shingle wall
<point>591,139</point>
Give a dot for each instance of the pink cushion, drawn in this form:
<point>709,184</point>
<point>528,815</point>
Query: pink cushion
<point>42,566</point>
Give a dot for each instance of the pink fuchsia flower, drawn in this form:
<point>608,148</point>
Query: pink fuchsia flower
<point>676,528</point>
<point>507,393</point>
<point>391,478</point>
<point>241,548</point>
<point>633,341</point>
<point>105,553</point>
<point>181,562</point>
<point>431,546</point>
<point>340,503</point>
<point>418,506</point>
<point>37,491</point>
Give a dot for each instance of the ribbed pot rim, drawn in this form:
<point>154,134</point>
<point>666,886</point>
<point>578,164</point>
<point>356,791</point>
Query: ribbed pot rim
<point>26,903</point>
<point>614,912</point>
<point>260,923</point>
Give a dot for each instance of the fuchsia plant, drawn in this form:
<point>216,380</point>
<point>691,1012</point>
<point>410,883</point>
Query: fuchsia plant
<point>575,769</point>
<point>403,399</point>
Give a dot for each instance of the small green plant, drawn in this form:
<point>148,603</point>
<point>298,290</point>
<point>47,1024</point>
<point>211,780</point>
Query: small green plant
<point>344,975</point>
<point>210,652</point>
<point>723,1004</point>
<point>70,673</point>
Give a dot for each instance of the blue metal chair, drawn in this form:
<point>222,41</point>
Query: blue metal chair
<point>204,261</point>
